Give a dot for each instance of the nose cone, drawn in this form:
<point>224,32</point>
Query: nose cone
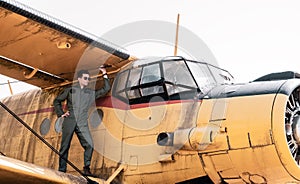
<point>296,128</point>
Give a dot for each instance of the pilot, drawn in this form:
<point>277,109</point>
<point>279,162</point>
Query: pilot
<point>79,99</point>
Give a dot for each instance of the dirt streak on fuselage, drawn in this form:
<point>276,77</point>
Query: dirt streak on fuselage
<point>35,108</point>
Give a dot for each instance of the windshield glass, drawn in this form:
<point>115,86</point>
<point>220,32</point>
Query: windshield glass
<point>208,76</point>
<point>174,78</point>
<point>221,76</point>
<point>177,77</point>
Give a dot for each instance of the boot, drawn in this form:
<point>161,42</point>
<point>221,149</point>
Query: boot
<point>87,171</point>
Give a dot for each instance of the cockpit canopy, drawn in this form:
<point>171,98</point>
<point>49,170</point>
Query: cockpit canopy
<point>170,78</point>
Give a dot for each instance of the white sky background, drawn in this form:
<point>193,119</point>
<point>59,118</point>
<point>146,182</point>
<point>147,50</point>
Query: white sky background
<point>249,38</point>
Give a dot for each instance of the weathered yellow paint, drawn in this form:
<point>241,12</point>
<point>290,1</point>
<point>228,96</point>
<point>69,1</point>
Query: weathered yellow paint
<point>114,137</point>
<point>18,172</point>
<point>251,125</point>
<point>239,139</point>
<point>39,46</point>
<point>247,140</point>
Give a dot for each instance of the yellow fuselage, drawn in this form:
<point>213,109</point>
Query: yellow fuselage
<point>234,139</point>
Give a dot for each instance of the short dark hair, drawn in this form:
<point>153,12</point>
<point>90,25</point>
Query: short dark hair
<point>81,72</point>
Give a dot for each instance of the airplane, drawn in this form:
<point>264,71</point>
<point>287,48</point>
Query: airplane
<point>165,120</point>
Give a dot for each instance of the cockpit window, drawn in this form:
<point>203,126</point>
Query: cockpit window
<point>151,73</point>
<point>177,77</point>
<point>150,78</point>
<point>144,81</point>
<point>221,76</point>
<point>208,76</point>
<point>203,76</point>
<point>121,83</point>
<point>170,79</point>
<point>133,80</point>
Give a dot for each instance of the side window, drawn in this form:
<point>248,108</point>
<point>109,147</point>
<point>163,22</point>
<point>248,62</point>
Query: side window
<point>151,74</point>
<point>221,76</point>
<point>177,77</point>
<point>45,126</point>
<point>151,70</point>
<point>133,82</point>
<point>139,83</point>
<point>143,81</point>
<point>120,85</point>
<point>153,89</point>
<point>167,79</point>
<point>203,76</point>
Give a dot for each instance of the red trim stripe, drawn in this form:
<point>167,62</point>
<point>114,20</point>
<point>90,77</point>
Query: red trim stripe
<point>50,109</point>
<point>112,102</point>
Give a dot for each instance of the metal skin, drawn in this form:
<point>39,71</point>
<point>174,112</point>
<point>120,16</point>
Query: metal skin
<point>243,133</point>
<point>225,133</point>
<point>16,171</point>
<point>33,45</point>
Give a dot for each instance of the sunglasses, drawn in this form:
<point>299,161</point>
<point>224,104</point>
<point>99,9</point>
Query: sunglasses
<point>86,78</point>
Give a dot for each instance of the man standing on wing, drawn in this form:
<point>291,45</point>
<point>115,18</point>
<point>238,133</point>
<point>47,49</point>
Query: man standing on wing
<point>79,99</point>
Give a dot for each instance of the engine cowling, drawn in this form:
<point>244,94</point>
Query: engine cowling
<point>250,133</point>
<point>258,141</point>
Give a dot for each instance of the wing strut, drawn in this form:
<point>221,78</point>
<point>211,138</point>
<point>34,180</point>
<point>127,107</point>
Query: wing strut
<point>29,76</point>
<point>45,142</point>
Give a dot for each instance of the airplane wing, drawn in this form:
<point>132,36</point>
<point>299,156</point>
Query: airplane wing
<point>45,52</point>
<point>16,171</point>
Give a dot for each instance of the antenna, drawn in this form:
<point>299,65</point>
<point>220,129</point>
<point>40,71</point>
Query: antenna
<point>10,88</point>
<point>176,37</point>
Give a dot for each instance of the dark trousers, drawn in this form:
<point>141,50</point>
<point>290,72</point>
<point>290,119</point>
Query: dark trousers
<point>85,139</point>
